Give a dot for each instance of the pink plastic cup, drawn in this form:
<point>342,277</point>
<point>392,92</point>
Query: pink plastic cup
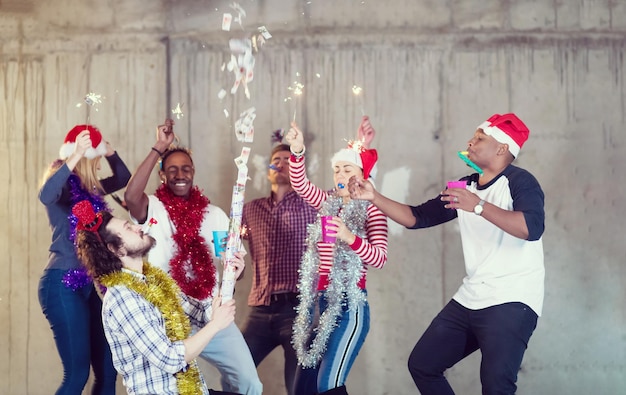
<point>328,235</point>
<point>457,184</point>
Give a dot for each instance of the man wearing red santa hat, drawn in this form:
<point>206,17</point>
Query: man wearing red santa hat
<point>501,220</point>
<point>66,293</point>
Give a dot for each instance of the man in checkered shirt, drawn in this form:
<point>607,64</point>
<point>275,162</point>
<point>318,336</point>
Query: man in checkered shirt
<point>275,228</point>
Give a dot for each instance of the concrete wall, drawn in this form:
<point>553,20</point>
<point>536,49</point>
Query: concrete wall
<point>431,71</point>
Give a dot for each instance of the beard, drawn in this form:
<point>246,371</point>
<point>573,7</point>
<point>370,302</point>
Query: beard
<point>141,249</point>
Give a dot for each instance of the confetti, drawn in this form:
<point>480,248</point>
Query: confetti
<point>178,111</point>
<point>241,13</point>
<point>226,21</point>
<point>266,34</point>
<point>221,94</point>
<point>244,129</point>
<point>241,65</point>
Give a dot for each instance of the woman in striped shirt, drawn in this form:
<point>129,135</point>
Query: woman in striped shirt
<point>333,274</point>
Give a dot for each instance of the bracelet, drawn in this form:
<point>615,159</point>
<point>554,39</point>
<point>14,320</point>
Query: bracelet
<point>298,154</point>
<point>157,151</point>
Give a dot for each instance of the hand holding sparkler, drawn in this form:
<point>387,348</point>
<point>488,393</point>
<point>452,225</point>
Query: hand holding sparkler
<point>165,135</point>
<point>295,139</point>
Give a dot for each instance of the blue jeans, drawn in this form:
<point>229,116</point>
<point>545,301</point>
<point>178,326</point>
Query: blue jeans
<point>500,332</point>
<point>76,322</point>
<point>230,355</point>
<point>343,347</point>
<point>271,326</point>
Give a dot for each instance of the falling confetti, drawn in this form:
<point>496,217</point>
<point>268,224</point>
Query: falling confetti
<point>178,111</point>
<point>241,13</point>
<point>244,128</point>
<point>226,21</point>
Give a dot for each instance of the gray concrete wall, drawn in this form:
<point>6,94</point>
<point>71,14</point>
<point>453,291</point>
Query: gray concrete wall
<point>431,71</point>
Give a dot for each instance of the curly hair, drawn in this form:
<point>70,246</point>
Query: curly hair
<point>93,249</point>
<point>173,150</point>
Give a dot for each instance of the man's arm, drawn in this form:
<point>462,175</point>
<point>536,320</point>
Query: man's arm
<point>135,197</point>
<point>398,212</point>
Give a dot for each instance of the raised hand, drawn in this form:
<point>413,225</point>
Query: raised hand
<point>366,132</point>
<point>165,135</point>
<point>222,314</point>
<point>295,138</point>
<point>83,143</point>
<point>239,262</point>
<point>110,150</point>
<point>360,188</point>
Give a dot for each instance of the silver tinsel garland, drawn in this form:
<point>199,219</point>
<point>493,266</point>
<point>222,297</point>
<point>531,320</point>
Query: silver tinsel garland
<point>343,278</point>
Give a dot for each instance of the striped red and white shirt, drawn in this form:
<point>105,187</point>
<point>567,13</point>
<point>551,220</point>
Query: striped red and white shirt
<point>372,249</point>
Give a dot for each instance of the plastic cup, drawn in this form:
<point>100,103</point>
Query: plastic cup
<point>219,241</point>
<point>457,184</point>
<point>328,235</point>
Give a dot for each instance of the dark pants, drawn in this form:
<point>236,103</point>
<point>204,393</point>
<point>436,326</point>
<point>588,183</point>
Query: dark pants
<point>500,332</point>
<point>271,326</point>
<point>76,323</point>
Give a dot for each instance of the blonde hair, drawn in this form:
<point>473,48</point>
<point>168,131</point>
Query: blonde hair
<point>86,170</point>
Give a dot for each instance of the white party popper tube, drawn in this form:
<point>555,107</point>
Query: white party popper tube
<point>234,232</point>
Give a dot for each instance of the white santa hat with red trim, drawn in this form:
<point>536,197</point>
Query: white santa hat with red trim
<point>506,129</point>
<point>98,145</point>
<point>364,158</point>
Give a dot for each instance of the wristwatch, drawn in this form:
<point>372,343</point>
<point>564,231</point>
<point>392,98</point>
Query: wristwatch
<point>478,209</point>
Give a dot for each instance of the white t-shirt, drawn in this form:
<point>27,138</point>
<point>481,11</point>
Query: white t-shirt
<point>500,268</point>
<point>162,231</point>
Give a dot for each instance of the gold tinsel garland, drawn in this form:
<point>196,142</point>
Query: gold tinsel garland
<point>161,291</point>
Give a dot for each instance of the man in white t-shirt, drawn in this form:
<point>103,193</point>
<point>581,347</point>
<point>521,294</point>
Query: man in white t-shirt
<point>182,220</point>
<point>501,220</point>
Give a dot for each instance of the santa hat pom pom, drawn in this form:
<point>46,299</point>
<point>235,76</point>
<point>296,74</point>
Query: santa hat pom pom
<point>98,146</point>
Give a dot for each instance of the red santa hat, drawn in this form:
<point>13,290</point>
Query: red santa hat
<point>364,158</point>
<point>506,129</point>
<point>98,146</point>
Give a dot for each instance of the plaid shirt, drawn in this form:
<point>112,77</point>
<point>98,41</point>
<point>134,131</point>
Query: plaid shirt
<point>276,235</point>
<point>142,353</point>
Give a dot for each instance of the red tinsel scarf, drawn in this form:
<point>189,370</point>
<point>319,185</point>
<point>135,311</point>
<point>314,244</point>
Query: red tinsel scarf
<point>192,266</point>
